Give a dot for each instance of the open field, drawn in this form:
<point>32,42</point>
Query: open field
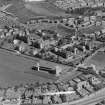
<point>18,9</point>
<point>44,8</point>
<point>61,29</point>
<point>32,9</point>
<point>98,59</point>
<point>65,31</point>
<point>14,70</point>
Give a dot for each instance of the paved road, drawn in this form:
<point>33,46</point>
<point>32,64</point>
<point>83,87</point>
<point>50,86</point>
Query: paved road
<point>93,100</point>
<point>98,96</point>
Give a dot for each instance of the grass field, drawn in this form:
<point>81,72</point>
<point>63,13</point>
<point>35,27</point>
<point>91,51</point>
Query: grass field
<point>44,8</point>
<point>98,59</point>
<point>12,70</point>
<point>15,70</point>
<point>61,29</point>
<point>65,31</point>
<point>19,10</point>
<point>25,11</point>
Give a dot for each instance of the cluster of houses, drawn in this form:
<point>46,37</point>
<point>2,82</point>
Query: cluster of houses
<point>49,44</point>
<point>71,22</point>
<point>56,92</point>
<point>101,102</point>
<point>98,35</point>
<point>73,4</point>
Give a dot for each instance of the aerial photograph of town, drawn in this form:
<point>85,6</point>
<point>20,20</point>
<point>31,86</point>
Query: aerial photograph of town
<point>52,52</point>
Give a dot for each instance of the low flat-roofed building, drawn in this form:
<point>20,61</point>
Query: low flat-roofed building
<point>103,30</point>
<point>93,17</point>
<point>86,18</point>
